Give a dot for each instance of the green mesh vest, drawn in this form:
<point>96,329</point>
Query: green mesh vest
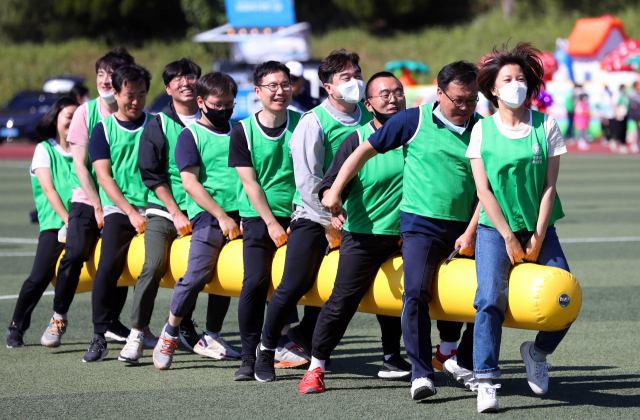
<point>438,182</point>
<point>60,167</point>
<point>171,130</point>
<point>93,118</point>
<point>333,133</point>
<point>272,162</point>
<point>123,146</point>
<point>220,181</point>
<point>516,169</point>
<point>376,191</point>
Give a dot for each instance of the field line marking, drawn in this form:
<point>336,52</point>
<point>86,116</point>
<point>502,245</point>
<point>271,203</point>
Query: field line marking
<point>595,240</point>
<point>16,296</point>
<point>17,254</point>
<point>18,241</point>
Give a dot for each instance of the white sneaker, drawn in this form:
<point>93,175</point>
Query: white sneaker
<point>487,399</point>
<point>537,372</point>
<point>456,372</point>
<point>132,351</point>
<point>216,348</point>
<point>149,340</point>
<point>422,388</point>
<point>291,356</point>
<point>52,335</point>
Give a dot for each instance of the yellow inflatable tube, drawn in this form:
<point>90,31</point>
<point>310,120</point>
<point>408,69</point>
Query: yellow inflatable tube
<point>540,298</point>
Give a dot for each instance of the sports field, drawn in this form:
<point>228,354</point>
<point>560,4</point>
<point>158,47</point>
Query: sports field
<point>596,371</point>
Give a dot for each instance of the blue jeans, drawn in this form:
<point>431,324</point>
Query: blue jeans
<point>492,268</point>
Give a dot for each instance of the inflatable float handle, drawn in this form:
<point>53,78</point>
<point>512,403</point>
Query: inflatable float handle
<point>453,254</point>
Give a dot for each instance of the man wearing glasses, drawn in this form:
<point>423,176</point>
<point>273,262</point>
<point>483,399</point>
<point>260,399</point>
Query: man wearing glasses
<point>259,150</point>
<point>313,145</point>
<point>438,212</point>
<point>167,212</point>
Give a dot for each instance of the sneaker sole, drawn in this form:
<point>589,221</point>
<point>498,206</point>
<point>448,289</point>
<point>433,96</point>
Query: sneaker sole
<point>422,393</point>
<point>291,365</point>
<point>243,378</point>
<point>106,352</point>
<point>255,375</point>
<point>114,336</point>
<point>14,347</point>
<point>393,375</point>
<point>216,356</point>
<point>127,360</point>
<point>311,391</point>
<point>49,343</point>
<point>490,409</point>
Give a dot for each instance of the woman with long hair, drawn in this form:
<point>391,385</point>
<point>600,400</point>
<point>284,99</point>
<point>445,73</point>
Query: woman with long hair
<point>50,174</point>
<point>515,158</point>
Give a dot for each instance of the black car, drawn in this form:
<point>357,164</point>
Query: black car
<point>19,117</point>
<point>159,103</point>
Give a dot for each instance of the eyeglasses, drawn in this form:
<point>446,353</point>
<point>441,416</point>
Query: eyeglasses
<point>221,107</point>
<point>387,96</point>
<point>458,102</point>
<point>188,78</point>
<point>273,87</point>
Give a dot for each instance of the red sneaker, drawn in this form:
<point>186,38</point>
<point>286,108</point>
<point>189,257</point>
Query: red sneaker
<point>438,360</point>
<point>312,382</point>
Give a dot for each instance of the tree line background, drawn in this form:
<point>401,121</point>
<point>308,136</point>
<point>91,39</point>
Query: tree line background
<point>139,21</point>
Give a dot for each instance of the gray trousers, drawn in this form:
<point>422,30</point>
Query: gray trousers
<point>206,244</point>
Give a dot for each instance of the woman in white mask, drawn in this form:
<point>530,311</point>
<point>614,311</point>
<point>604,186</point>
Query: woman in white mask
<point>515,158</point>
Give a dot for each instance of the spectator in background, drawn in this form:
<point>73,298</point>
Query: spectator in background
<point>79,93</point>
<point>634,114</point>
<point>570,105</point>
<point>581,121</point>
<point>606,113</point>
<point>302,100</point>
<point>618,125</point>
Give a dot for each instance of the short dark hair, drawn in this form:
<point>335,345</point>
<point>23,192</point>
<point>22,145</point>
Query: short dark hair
<point>181,67</point>
<point>524,55</point>
<point>460,72</point>
<point>335,62</point>
<point>267,68</point>
<point>47,127</point>
<point>114,59</point>
<point>378,75</point>
<point>129,74</point>
<point>216,84</point>
<point>78,90</point>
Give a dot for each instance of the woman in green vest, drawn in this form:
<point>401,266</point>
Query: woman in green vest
<point>49,171</point>
<point>515,158</point>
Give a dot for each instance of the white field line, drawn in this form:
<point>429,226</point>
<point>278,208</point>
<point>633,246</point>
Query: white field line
<point>18,241</point>
<point>17,254</point>
<point>16,296</point>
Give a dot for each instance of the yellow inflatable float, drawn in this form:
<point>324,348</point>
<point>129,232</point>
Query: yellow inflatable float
<point>540,298</point>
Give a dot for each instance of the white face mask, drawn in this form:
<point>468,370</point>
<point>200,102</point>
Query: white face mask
<point>352,91</point>
<point>107,96</point>
<point>513,94</point>
<point>451,126</point>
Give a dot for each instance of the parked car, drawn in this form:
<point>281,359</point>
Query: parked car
<point>20,115</point>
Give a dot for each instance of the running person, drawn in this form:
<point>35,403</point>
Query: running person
<point>114,154</point>
<point>259,150</point>
<point>50,169</point>
<point>518,210</point>
<point>370,236</point>
<point>438,212</point>
<point>202,155</point>
<point>86,214</point>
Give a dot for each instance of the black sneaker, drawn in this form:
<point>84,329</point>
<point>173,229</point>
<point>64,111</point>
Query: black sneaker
<point>97,350</point>
<point>264,370</point>
<point>245,372</point>
<point>14,339</point>
<point>298,338</point>
<point>395,368</point>
<point>117,331</point>
<point>188,334</point>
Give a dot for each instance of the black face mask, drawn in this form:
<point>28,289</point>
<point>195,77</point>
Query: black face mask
<point>382,118</point>
<point>218,117</point>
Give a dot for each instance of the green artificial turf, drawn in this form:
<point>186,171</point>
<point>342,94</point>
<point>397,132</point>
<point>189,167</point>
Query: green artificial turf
<point>596,370</point>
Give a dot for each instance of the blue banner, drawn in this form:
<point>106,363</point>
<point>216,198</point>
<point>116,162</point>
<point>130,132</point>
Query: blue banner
<point>260,13</point>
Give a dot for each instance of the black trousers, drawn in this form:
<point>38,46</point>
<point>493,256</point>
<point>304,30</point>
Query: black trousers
<point>257,256</point>
<point>117,234</point>
<point>306,248</point>
<point>361,256</point>
<point>82,236</point>
<point>44,268</point>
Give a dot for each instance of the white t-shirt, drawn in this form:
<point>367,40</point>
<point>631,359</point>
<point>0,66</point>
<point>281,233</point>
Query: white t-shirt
<point>41,157</point>
<point>555,143</point>
<point>187,120</point>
